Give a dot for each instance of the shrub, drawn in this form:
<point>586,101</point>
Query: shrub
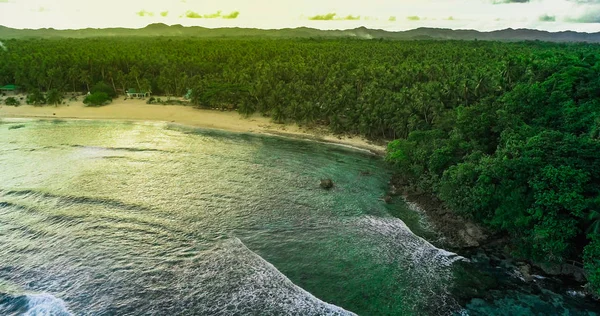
<point>36,97</point>
<point>152,100</point>
<point>591,256</point>
<point>12,101</point>
<point>97,99</point>
<point>54,97</point>
<point>103,87</point>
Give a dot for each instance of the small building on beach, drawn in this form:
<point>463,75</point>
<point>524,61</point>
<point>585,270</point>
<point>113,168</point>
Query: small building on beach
<point>132,93</point>
<point>10,89</point>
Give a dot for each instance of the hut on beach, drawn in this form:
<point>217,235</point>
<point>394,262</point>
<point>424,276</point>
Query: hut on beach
<point>188,95</point>
<point>132,93</point>
<point>10,89</point>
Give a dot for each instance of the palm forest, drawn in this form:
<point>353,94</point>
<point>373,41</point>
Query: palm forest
<point>505,134</point>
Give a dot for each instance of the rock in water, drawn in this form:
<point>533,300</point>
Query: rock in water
<point>525,270</point>
<point>388,199</point>
<point>326,184</point>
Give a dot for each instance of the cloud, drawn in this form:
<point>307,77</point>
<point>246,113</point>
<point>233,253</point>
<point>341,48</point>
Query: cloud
<point>193,15</point>
<point>547,18</point>
<point>164,13</point>
<point>351,18</point>
<point>590,16</point>
<point>333,16</point>
<point>585,1</point>
<point>212,15</point>
<point>232,15</point>
<point>413,18</point>
<point>216,15</point>
<point>324,17</point>
<point>144,13</point>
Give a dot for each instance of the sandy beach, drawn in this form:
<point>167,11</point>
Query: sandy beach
<point>138,110</point>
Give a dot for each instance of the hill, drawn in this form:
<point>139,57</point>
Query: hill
<point>164,30</point>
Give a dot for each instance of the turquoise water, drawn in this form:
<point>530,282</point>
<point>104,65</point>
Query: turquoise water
<point>117,218</point>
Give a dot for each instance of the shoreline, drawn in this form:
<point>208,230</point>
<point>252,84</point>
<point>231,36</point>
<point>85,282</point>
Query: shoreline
<point>138,110</point>
<point>472,240</point>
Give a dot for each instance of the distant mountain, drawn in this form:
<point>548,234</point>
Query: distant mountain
<point>164,30</point>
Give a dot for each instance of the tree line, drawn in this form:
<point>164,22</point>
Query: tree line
<point>504,133</point>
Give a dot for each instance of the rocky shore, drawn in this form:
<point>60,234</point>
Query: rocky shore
<point>472,240</point>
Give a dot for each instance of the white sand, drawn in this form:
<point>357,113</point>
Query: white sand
<point>138,110</point>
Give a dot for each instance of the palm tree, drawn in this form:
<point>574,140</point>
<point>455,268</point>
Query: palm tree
<point>54,97</point>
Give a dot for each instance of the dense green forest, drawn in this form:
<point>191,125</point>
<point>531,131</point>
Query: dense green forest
<point>504,133</point>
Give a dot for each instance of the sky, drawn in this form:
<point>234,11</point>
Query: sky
<point>392,15</point>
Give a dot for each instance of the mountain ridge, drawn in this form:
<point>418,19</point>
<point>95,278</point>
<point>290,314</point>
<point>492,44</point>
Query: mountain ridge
<point>177,30</point>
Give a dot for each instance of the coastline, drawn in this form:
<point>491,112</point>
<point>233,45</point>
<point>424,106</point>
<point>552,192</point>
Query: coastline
<point>138,110</point>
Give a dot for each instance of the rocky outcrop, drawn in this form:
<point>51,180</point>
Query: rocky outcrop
<point>387,199</point>
<point>455,231</point>
<point>572,269</point>
<point>326,184</point>
<point>466,236</point>
<point>525,271</point>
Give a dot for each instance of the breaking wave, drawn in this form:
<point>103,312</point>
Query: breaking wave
<point>258,287</point>
<point>430,267</point>
<point>33,305</point>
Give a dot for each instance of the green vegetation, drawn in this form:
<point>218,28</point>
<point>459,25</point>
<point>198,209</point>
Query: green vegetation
<point>36,97</point>
<point>103,87</point>
<point>97,99</point>
<point>12,101</point>
<point>54,97</point>
<point>592,262</point>
<point>504,133</point>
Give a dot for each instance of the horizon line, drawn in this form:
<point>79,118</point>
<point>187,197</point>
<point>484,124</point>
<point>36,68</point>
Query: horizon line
<point>296,27</point>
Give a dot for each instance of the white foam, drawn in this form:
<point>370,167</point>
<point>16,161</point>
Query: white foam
<point>45,305</point>
<point>423,221</point>
<point>574,293</point>
<point>397,234</point>
<point>248,284</point>
<point>428,273</point>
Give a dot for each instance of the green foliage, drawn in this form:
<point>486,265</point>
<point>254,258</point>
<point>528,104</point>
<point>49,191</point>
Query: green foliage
<point>36,97</point>
<point>12,101</point>
<point>97,99</point>
<point>54,97</point>
<point>104,88</point>
<point>591,256</point>
<point>522,158</point>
